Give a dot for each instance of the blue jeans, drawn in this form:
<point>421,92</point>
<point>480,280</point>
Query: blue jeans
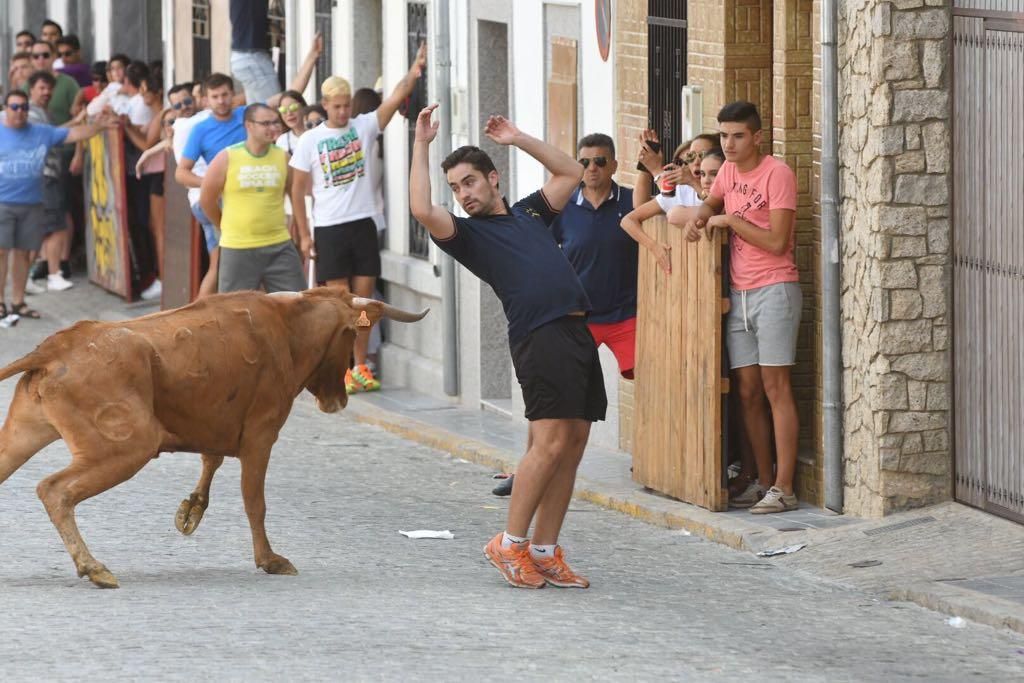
<point>211,233</point>
<point>255,71</point>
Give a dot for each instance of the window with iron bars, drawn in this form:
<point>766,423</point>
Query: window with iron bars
<point>323,20</point>
<point>276,35</point>
<point>666,70</point>
<point>419,238</point>
<point>200,39</point>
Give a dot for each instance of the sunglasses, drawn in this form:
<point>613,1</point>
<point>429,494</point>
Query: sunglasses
<point>289,108</point>
<point>40,55</point>
<point>14,106</point>
<point>312,123</point>
<point>65,53</point>
<point>600,162</point>
<point>185,102</point>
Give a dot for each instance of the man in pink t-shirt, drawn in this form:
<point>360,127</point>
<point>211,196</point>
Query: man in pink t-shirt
<point>758,196</point>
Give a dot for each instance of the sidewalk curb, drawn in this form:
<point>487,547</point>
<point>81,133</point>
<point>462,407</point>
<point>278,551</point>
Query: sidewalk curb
<point>644,506</point>
<point>483,454</point>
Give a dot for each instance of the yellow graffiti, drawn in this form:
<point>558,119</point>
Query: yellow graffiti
<point>102,210</point>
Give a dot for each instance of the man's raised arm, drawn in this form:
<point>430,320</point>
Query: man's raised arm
<point>566,172</point>
<point>392,102</point>
<point>434,218</point>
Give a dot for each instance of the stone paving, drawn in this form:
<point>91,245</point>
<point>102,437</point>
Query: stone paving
<point>369,604</point>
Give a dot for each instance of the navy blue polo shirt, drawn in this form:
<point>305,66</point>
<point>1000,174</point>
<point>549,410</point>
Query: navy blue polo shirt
<point>603,255</point>
<point>518,257</point>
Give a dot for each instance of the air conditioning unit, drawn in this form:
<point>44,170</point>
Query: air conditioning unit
<point>692,111</point>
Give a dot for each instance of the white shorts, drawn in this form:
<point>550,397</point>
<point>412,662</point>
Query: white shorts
<point>762,325</point>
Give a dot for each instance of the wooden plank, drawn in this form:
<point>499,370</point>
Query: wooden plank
<point>107,244</point>
<point>180,269</point>
<point>678,391</point>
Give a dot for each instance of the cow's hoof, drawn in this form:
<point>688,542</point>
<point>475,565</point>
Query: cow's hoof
<point>278,565</point>
<point>189,514</point>
<point>101,577</point>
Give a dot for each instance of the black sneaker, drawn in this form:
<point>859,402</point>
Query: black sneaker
<point>39,271</point>
<point>505,487</point>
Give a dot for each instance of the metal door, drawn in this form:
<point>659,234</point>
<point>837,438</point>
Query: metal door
<point>988,254</point>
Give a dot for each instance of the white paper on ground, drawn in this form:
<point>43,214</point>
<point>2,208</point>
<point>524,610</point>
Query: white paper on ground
<point>782,551</point>
<point>427,533</point>
<point>957,622</point>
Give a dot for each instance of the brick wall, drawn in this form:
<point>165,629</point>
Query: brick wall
<point>629,50</point>
<point>792,131</point>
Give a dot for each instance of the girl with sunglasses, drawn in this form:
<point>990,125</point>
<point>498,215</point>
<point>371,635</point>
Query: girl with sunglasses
<point>290,109</point>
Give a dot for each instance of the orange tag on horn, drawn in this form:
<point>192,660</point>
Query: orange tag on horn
<point>363,321</point>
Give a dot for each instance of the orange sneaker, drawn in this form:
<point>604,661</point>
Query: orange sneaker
<point>556,572</point>
<point>351,386</point>
<point>515,564</point>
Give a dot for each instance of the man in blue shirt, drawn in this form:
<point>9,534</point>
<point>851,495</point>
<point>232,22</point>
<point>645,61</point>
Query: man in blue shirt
<point>512,249</point>
<point>603,255</point>
<point>23,150</point>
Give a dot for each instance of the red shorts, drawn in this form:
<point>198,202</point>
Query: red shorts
<point>620,337</point>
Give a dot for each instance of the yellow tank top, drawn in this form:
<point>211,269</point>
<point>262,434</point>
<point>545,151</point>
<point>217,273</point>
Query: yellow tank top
<point>254,199</point>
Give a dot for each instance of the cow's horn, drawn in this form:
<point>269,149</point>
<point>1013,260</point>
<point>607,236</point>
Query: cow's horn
<point>390,312</point>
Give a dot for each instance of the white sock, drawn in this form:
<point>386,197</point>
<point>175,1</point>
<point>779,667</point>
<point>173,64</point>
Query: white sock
<point>508,540</point>
<point>542,551</point>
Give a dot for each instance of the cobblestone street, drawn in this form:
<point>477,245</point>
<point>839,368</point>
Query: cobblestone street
<point>371,604</point>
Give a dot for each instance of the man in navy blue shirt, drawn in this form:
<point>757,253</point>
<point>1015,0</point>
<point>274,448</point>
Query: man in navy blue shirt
<point>511,248</point>
<point>603,255</point>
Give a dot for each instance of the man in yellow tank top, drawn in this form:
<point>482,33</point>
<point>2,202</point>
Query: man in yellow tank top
<point>251,178</point>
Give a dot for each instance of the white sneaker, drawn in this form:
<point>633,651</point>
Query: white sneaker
<point>57,283</point>
<point>154,291</point>
<point>33,287</point>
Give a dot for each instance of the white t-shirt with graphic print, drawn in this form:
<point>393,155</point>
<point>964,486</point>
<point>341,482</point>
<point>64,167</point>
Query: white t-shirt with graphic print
<point>341,163</point>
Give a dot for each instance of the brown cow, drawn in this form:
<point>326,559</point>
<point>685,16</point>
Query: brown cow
<point>217,377</point>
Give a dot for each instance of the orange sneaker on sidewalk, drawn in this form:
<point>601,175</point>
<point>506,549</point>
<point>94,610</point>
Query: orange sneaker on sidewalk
<point>351,386</point>
<point>363,376</point>
<point>556,572</point>
<point>515,564</point>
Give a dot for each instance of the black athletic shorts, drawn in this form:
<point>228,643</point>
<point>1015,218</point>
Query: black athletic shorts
<point>560,373</point>
<point>156,183</point>
<point>347,249</point>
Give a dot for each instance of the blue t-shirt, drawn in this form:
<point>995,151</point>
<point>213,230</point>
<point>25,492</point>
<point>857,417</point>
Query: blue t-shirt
<point>518,257</point>
<point>603,255</point>
<point>210,136</point>
<point>22,157</point>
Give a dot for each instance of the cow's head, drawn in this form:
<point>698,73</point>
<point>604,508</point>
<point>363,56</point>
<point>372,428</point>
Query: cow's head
<point>332,322</point>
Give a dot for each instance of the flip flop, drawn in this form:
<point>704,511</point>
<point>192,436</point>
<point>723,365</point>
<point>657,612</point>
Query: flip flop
<point>24,311</point>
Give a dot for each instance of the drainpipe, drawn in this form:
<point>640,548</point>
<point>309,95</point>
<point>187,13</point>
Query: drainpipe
<point>832,353</point>
<point>450,321</point>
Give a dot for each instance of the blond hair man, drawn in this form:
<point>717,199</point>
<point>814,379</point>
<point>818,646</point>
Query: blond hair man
<point>333,163</point>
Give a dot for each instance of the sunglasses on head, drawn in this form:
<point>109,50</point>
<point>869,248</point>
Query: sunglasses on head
<point>600,162</point>
<point>312,123</point>
<point>289,108</point>
<point>185,102</point>
<point>40,55</point>
<point>15,106</point>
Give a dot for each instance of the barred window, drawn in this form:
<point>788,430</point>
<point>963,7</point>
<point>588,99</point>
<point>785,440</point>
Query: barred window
<point>666,70</point>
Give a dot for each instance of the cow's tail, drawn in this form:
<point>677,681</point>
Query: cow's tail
<point>32,361</point>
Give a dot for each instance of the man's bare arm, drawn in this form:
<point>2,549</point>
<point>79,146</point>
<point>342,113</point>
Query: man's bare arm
<point>304,73</point>
<point>566,172</point>
<point>184,175</point>
<point>213,186</point>
<point>387,108</point>
<point>775,240</point>
<point>434,218</point>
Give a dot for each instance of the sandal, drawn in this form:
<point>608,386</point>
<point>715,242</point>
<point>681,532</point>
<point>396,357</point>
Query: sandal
<point>24,311</point>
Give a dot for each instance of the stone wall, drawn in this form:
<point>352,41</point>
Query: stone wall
<point>895,160</point>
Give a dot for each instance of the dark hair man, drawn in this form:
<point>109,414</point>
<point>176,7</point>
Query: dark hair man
<point>758,195</point>
<point>24,41</point>
<point>50,31</point>
<point>555,358</point>
<point>69,51</point>
<point>252,177</point>
<point>65,90</point>
<point>20,70</point>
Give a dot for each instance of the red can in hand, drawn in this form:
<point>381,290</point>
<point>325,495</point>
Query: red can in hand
<point>667,184</point>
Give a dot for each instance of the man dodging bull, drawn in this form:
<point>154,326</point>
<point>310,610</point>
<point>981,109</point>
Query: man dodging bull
<point>248,354</point>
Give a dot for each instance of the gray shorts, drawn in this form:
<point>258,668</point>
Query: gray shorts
<point>21,226</point>
<point>277,267</point>
<point>762,325</point>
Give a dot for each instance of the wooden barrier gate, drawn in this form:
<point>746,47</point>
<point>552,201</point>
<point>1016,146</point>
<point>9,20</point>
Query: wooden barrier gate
<point>182,257</point>
<point>107,245</point>
<point>680,381</point>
